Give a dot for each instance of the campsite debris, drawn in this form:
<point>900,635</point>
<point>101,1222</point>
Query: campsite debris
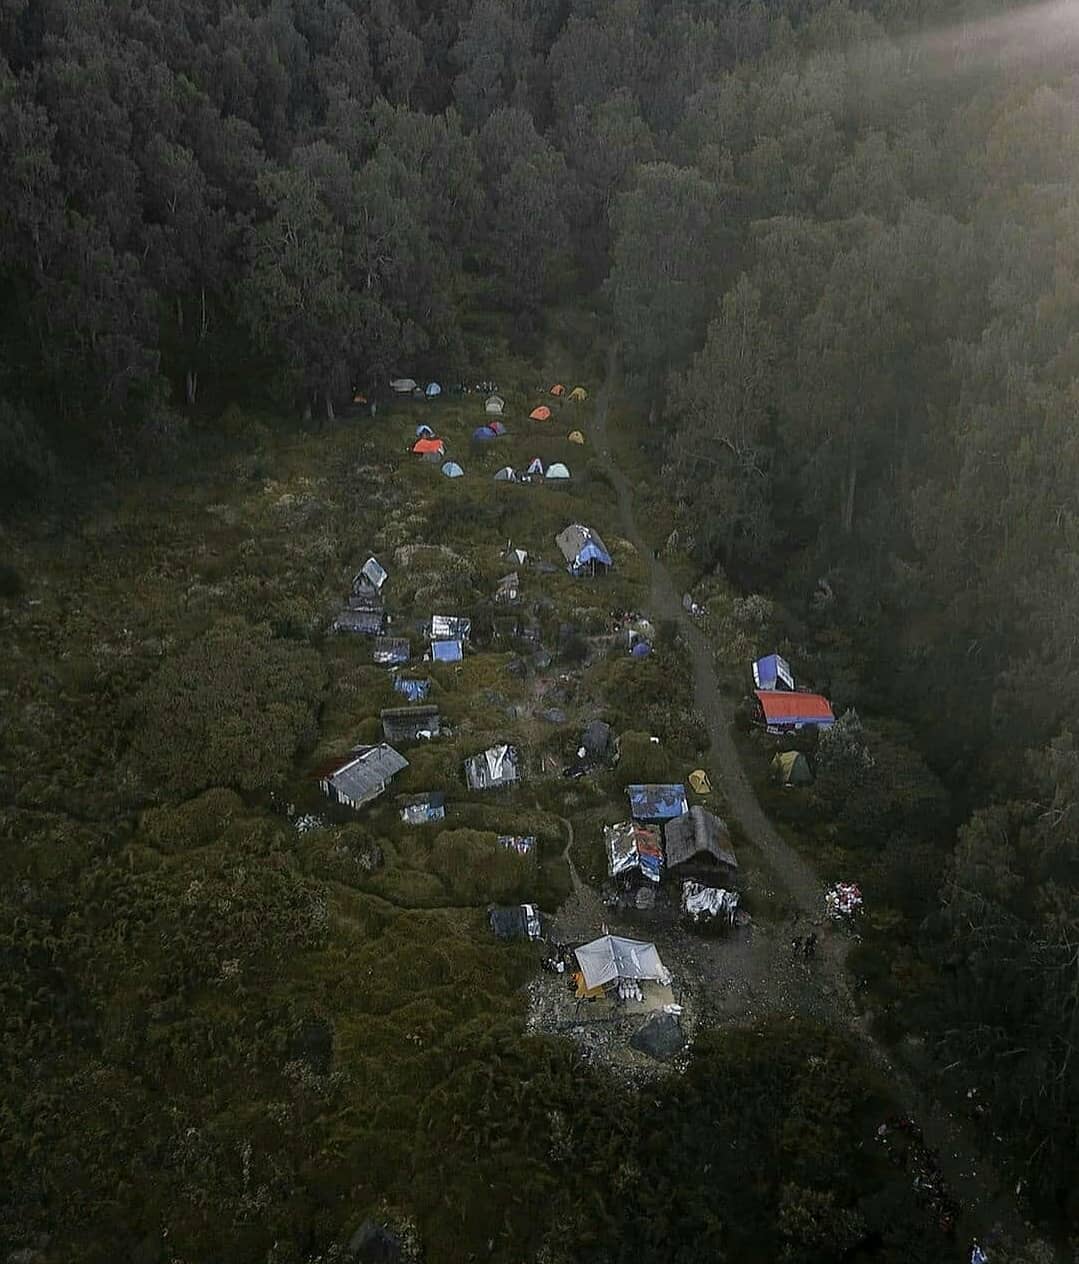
<point>419,809</point>
<point>523,845</point>
<point>843,900</point>
<point>492,768</point>
<point>509,589</point>
<point>363,776</point>
<point>444,627</point>
<point>661,1036</point>
<point>701,902</point>
<point>905,1143</point>
<point>389,649</point>
<point>516,921</point>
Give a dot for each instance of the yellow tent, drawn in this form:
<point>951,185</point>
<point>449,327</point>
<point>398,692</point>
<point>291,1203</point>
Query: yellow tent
<point>575,436</point>
<point>699,781</point>
<point>578,393</point>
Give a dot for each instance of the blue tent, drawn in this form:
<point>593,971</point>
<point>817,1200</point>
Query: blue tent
<point>657,803</point>
<point>447,651</point>
<point>483,433</point>
<point>641,650</point>
<point>424,432</point>
<point>414,690</point>
<point>452,470</point>
<point>432,390</point>
<point>772,672</point>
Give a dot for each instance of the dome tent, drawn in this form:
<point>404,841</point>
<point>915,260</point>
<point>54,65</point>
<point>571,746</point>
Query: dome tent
<point>452,470</point>
<point>494,405</point>
<point>505,475</point>
<point>542,413</point>
<point>577,394</point>
<point>575,436</point>
<point>433,389</point>
<point>483,434</point>
<point>558,471</point>
<point>535,466</point>
<point>497,427</point>
<point>558,390</point>
<point>791,768</point>
<point>424,432</point>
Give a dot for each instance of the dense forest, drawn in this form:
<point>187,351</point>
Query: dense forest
<point>838,246</point>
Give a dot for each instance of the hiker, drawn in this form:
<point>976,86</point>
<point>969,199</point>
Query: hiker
<point>810,946</point>
<point>796,945</point>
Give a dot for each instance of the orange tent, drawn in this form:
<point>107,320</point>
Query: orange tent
<point>428,445</point>
<point>543,413</point>
<point>558,389</point>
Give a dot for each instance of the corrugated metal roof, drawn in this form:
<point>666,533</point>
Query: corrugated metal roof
<point>362,622</point>
<point>365,774</point>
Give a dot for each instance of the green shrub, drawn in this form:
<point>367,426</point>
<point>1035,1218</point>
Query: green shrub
<point>642,761</point>
<point>476,870</point>
<point>196,823</point>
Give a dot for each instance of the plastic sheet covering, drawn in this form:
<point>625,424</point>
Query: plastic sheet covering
<point>844,899</point>
<point>631,847</point>
<point>700,901</point>
<point>612,957</point>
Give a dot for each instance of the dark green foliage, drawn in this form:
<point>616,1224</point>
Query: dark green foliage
<point>233,707</point>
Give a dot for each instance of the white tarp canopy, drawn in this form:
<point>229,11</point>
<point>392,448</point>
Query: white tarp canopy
<point>611,957</point>
<point>701,901</point>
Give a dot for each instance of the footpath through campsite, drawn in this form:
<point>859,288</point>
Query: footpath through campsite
<point>986,1199</point>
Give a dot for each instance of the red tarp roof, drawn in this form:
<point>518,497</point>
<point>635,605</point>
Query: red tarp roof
<point>793,706</point>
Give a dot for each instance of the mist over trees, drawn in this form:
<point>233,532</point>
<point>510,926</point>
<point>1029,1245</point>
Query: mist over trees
<point>842,265</point>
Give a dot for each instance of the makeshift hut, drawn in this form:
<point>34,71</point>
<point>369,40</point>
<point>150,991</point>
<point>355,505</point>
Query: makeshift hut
<point>698,842</point>
<point>449,627</point>
<point>535,466</point>
<point>409,724</point>
<point>704,903</point>
<point>517,556</point>
<point>483,434</point>
<point>558,390</point>
<point>494,406</point>
<point>360,622</point>
<point>363,776</point>
<point>577,394</point>
<point>557,472</point>
<point>447,651</point>
<point>432,390</point>
<point>516,921</point>
<point>575,436</point>
<point>654,803</point>
<point>772,672</point>
<point>542,413</point>
<point>633,849</point>
<point>612,958</point>
<point>414,690</point>
<point>783,712</point>
<point>493,768</point>
<point>366,599</point>
<point>429,447</point>
<point>452,470</point>
<point>597,742</point>
<point>421,809</point>
<point>791,768</point>
<point>392,649</point>
<point>371,576</point>
<point>505,475</point>
<point>508,591</point>
<point>403,385</point>
<point>583,550</point>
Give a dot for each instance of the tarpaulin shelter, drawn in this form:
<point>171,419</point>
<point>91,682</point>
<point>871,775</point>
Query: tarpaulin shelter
<point>364,775</point>
<point>370,575</point>
<point>447,651</point>
<point>391,649</point>
<point>575,436</point>
<point>535,466</point>
<point>509,589</point>
<point>542,413</point>
<point>611,958</point>
<point>403,385</point>
<point>496,427</point>
<point>633,848</point>
<point>558,390</point>
<point>426,447</point>
<point>516,921</point>
<point>657,802</point>
<point>420,809</point>
<point>410,724</point>
<point>781,712</point>
<point>791,768</point>
<point>698,839</point>
<point>414,690</point>
<point>699,783</point>
<point>505,475</point>
<point>492,768</point>
<point>699,901</point>
<point>432,390</point>
<point>577,394</point>
<point>556,470</point>
<point>449,627</point>
<point>494,406</point>
<point>772,672</point>
<point>424,432</point>
<point>483,434</point>
<point>583,550</point>
<point>452,470</point>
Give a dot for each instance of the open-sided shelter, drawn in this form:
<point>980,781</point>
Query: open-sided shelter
<point>773,672</point>
<point>653,803</point>
<point>698,842</point>
<point>364,775</point>
<point>410,724</point>
<point>784,712</point>
<point>583,550</point>
<point>493,768</point>
<point>612,957</point>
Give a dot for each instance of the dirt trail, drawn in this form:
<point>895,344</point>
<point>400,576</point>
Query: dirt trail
<point>969,1170</point>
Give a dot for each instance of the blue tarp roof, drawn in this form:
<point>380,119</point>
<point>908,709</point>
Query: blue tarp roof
<point>772,672</point>
<point>657,803</point>
<point>592,552</point>
<point>414,690</point>
<point>447,651</point>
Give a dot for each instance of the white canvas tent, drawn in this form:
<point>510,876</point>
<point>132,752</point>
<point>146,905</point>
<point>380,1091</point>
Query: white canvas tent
<point>611,958</point>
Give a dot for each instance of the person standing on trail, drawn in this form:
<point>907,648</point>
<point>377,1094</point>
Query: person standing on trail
<point>810,946</point>
<point>796,946</point>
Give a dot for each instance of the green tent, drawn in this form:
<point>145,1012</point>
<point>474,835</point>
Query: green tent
<point>791,768</point>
